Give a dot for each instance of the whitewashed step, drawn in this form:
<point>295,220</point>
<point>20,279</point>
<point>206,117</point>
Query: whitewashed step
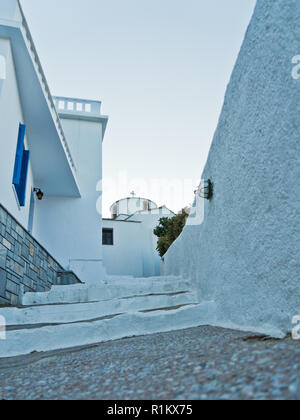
<point>113,290</point>
<point>68,313</point>
<point>26,341</point>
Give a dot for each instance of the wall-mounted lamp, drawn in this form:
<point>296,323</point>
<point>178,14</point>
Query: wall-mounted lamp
<point>206,190</point>
<point>39,193</point>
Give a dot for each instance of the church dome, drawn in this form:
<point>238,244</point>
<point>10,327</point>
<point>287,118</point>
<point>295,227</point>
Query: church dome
<point>130,205</point>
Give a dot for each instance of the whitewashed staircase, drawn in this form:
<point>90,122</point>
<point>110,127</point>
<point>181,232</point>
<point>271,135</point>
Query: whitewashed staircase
<point>78,315</point>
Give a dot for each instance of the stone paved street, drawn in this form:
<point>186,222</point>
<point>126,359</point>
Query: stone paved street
<point>199,363</point>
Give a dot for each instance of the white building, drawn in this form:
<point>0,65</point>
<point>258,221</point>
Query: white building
<point>49,145</point>
<point>129,244</point>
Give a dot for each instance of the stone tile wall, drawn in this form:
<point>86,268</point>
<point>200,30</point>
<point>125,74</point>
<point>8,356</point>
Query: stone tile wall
<point>25,266</point>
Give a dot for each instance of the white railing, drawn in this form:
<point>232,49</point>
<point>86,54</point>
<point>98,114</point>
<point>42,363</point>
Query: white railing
<point>77,106</point>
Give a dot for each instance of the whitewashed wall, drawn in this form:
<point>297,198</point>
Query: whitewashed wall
<point>9,10</point>
<point>245,256</point>
<point>11,116</point>
<point>150,221</point>
<point>125,257</point>
<point>65,225</point>
<point>134,252</point>
<point>76,220</point>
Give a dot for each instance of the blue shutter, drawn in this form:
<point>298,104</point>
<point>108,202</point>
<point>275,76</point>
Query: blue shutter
<point>21,167</point>
<point>21,188</point>
<point>19,155</point>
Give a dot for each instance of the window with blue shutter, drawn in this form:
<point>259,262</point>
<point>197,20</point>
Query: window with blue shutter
<point>21,167</point>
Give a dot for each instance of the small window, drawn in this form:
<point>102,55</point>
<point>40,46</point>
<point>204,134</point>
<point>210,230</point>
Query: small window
<point>21,167</point>
<point>107,236</point>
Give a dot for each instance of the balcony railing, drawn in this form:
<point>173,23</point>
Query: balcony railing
<point>77,106</point>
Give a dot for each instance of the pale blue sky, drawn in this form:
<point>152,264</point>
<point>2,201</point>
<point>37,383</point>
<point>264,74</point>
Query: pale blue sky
<point>160,67</point>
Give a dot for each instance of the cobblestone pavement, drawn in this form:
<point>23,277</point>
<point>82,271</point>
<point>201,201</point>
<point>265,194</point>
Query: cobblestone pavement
<point>199,363</point>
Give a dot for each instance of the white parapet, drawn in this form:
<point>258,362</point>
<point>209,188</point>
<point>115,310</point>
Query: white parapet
<point>77,106</point>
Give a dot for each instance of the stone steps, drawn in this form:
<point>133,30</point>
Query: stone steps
<point>68,313</point>
<point>78,315</point>
<point>114,289</point>
<point>53,337</point>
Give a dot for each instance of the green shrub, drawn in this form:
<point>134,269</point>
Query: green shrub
<point>168,231</point>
